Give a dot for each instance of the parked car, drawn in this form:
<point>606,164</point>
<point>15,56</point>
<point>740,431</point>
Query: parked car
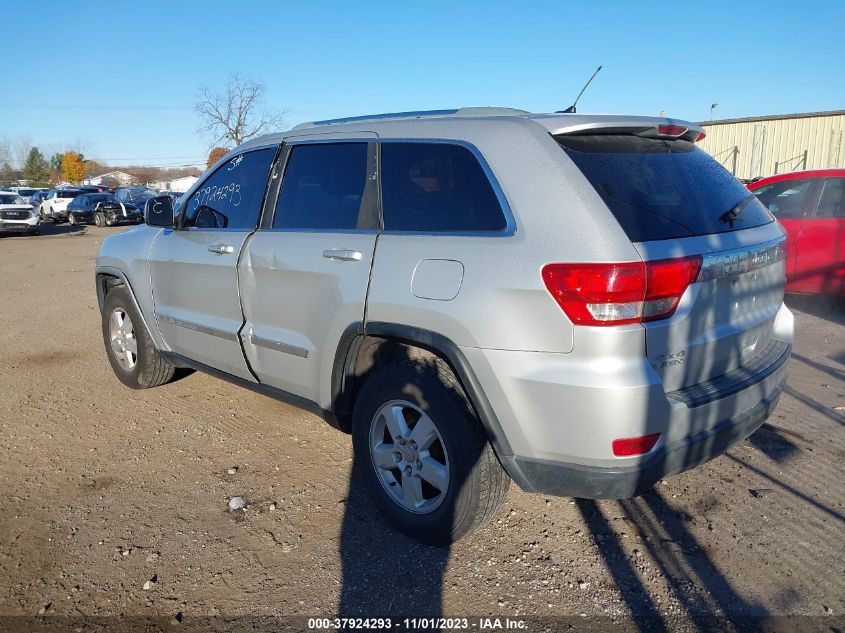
<point>54,205</point>
<point>103,209</point>
<point>26,192</point>
<point>811,207</point>
<point>36,198</point>
<point>585,316</point>
<point>135,195</point>
<point>16,216</point>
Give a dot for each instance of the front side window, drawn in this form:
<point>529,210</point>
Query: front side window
<point>787,199</point>
<point>325,188</point>
<point>832,200</point>
<point>438,187</point>
<point>231,197</point>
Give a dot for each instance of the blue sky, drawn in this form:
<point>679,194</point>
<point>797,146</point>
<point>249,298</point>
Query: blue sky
<point>121,77</point>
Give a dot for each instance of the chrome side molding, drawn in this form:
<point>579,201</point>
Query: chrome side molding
<point>196,327</point>
<point>278,346</point>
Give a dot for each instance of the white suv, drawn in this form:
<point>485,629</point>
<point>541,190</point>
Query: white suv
<point>583,304</point>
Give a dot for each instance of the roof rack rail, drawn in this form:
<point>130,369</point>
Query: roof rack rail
<point>470,111</point>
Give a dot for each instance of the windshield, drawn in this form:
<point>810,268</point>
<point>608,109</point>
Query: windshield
<point>26,192</point>
<point>141,194</point>
<point>11,198</point>
<point>64,193</point>
<point>102,197</point>
<point>662,189</point>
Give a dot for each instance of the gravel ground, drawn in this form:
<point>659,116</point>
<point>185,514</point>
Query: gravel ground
<point>114,502</point>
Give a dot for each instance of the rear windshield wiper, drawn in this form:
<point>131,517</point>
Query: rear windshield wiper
<point>731,214</point>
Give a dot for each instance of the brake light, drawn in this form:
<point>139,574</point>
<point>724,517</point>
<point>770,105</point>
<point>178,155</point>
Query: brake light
<point>625,447</point>
<point>700,137</point>
<point>616,294</point>
<point>671,130</point>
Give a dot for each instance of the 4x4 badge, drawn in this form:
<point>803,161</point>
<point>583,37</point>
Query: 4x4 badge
<point>669,360</point>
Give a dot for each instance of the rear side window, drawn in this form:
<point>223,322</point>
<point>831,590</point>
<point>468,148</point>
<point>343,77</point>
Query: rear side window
<point>662,189</point>
<point>787,199</point>
<point>231,197</point>
<point>832,200</point>
<point>437,187</point>
<point>325,188</point>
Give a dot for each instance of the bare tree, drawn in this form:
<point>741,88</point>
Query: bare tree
<point>237,113</point>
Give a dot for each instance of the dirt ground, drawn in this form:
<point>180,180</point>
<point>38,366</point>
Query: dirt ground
<point>104,489</point>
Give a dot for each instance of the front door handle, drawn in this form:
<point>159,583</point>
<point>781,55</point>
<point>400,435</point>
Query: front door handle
<point>221,249</point>
<point>342,255</point>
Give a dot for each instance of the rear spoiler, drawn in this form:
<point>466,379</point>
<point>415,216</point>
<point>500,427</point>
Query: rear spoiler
<point>649,127</point>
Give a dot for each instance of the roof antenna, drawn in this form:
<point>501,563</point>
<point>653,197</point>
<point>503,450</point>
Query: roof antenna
<point>571,109</point>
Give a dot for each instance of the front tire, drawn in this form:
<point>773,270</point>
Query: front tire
<point>422,454</point>
<point>132,354</point>
<point>99,219</point>
<point>71,218</point>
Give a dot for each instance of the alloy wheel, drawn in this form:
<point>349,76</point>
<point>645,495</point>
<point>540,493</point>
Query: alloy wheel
<point>124,345</point>
<point>409,456</point>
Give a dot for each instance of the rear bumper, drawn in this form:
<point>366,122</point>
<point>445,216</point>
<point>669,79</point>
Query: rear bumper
<point>561,414</point>
<point>592,482</point>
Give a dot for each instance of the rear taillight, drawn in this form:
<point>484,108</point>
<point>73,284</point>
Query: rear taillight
<point>615,294</point>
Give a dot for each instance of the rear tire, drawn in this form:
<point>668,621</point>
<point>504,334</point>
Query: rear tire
<point>133,355</point>
<point>425,392</point>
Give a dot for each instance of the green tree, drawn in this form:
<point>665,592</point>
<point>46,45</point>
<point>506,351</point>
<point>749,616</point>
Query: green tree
<point>36,169</point>
<point>73,169</point>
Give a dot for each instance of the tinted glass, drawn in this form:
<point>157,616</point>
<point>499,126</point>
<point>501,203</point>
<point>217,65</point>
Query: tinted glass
<point>231,197</point>
<point>68,194</point>
<point>787,199</point>
<point>832,200</point>
<point>323,187</point>
<point>436,187</point>
<point>661,189</point>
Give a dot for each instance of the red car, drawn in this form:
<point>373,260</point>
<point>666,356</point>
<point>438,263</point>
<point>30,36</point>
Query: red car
<point>811,207</point>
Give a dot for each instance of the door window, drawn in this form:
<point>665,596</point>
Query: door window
<point>832,199</point>
<point>231,197</point>
<point>786,200</point>
<point>326,187</point>
<point>438,187</point>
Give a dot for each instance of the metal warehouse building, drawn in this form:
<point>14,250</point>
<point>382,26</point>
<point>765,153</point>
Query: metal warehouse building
<point>763,146</point>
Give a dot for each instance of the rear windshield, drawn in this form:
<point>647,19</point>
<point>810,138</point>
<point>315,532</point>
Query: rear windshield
<point>68,194</point>
<point>662,189</point>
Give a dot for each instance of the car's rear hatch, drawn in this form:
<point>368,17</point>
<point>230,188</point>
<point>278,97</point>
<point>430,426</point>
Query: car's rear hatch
<point>674,201</point>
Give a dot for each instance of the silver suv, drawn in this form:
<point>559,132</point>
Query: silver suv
<point>583,304</point>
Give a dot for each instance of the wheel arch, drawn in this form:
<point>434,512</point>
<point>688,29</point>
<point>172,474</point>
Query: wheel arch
<point>107,278</point>
<point>361,351</point>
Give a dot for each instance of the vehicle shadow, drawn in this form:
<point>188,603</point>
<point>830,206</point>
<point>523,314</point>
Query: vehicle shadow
<point>384,572</point>
<point>828,307</point>
<point>49,228</point>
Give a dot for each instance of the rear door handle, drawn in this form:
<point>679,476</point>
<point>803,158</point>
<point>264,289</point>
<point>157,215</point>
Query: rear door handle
<point>342,255</point>
<point>221,249</point>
